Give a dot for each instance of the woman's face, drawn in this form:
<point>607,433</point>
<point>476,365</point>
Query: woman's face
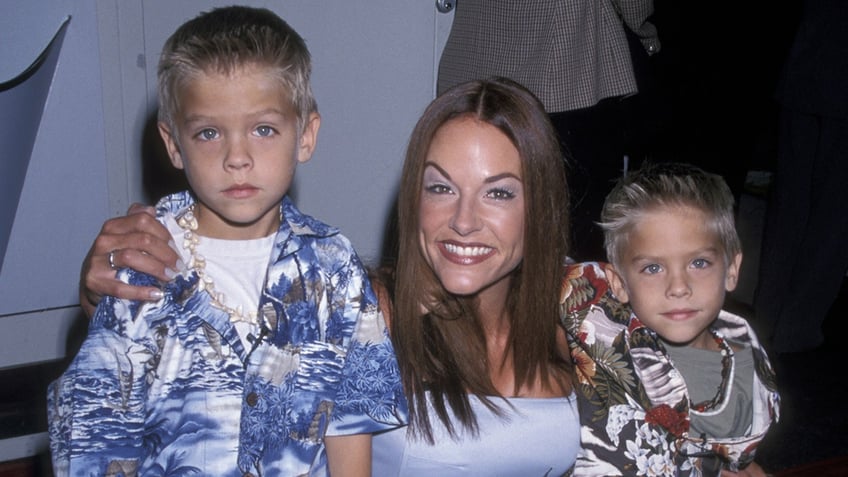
<point>472,208</point>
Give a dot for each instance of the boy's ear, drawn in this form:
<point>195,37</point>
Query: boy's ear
<point>732,276</point>
<point>171,145</point>
<point>309,138</point>
<point>616,284</point>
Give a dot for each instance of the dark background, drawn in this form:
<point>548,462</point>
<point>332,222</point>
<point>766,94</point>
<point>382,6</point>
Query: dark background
<point>711,101</point>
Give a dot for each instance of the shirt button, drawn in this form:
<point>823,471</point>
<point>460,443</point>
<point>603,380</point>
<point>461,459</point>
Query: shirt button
<point>252,399</point>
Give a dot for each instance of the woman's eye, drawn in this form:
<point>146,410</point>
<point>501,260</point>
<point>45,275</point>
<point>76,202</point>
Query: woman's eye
<point>265,131</point>
<point>501,194</point>
<point>207,134</point>
<point>437,189</point>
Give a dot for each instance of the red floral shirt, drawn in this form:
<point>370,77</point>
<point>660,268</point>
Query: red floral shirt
<point>634,406</point>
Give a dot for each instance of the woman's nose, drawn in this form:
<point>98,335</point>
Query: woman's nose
<point>465,217</point>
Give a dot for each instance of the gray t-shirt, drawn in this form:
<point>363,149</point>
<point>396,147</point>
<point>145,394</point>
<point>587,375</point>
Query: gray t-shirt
<point>701,370</point>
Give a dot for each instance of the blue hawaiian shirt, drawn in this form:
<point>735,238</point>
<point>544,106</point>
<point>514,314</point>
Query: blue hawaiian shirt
<point>169,388</point>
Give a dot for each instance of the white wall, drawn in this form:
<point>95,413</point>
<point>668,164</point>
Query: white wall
<point>64,196</point>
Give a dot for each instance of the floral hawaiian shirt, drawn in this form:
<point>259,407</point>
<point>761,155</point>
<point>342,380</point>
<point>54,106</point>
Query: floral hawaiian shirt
<point>634,406</point>
<point>169,388</point>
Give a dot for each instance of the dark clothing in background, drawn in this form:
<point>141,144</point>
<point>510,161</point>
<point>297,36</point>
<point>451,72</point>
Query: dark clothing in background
<point>805,242</point>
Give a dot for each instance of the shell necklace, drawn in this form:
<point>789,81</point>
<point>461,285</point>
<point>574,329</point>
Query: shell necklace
<point>188,222</point>
<point>727,364</point>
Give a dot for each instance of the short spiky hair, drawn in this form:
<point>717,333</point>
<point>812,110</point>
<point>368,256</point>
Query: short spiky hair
<point>225,39</point>
<point>667,184</point>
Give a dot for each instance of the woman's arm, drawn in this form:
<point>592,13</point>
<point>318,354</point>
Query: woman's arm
<point>349,456</point>
<point>136,240</point>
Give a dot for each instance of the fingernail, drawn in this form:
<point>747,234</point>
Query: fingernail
<point>172,244</point>
<point>156,295</point>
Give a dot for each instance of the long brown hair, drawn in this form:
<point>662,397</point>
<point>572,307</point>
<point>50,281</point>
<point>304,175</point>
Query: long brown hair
<point>439,340</point>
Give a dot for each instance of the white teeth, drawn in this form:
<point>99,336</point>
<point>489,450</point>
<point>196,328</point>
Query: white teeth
<point>467,251</point>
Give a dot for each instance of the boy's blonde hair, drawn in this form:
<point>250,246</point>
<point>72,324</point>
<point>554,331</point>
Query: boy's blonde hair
<point>662,185</point>
<point>225,39</point>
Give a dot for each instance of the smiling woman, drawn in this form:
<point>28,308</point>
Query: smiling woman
<point>472,208</point>
<point>483,227</point>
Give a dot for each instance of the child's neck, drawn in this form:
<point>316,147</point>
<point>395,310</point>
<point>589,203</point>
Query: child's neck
<point>213,225</point>
<point>706,341</point>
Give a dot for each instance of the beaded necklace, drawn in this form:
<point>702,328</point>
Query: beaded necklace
<point>727,364</point>
<point>188,222</point>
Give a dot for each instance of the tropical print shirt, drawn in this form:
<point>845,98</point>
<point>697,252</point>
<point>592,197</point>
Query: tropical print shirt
<point>634,406</point>
<point>168,387</point>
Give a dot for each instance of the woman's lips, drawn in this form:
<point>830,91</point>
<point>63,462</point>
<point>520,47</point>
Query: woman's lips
<point>465,254</point>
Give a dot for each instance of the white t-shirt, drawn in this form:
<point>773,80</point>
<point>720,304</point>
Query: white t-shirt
<point>237,269</point>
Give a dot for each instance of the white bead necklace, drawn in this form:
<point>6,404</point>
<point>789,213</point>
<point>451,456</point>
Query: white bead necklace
<point>188,222</point>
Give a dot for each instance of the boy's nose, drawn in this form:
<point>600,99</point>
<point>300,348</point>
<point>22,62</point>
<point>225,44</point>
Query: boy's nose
<point>678,286</point>
<point>238,156</point>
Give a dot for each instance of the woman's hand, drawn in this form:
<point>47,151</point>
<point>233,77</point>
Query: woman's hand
<point>349,456</point>
<point>136,240</point>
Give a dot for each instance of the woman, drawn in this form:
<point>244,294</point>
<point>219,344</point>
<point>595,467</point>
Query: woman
<point>481,202</point>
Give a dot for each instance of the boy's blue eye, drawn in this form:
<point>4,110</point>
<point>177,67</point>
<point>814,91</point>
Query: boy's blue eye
<point>265,131</point>
<point>652,269</point>
<point>700,263</point>
<point>207,134</point>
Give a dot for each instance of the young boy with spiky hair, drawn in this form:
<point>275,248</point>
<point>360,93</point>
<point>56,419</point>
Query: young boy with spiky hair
<point>671,384</point>
<point>267,354</point>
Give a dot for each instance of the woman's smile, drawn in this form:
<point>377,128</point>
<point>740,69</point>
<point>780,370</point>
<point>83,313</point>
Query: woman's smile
<point>472,207</point>
<point>465,254</point>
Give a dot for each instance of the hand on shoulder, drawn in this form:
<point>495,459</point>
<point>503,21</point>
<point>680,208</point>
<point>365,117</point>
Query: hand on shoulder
<point>136,240</point>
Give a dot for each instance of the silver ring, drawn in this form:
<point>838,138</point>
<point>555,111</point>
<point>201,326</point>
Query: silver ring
<point>112,260</point>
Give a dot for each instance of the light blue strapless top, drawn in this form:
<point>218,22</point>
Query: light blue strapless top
<point>539,437</point>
